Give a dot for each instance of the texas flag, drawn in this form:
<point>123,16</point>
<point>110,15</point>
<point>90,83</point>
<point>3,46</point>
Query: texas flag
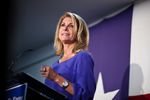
<point>120,45</point>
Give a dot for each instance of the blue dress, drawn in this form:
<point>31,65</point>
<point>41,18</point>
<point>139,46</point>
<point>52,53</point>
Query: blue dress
<point>79,71</point>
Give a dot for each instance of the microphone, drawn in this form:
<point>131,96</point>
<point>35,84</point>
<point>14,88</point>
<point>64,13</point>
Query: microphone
<point>10,69</point>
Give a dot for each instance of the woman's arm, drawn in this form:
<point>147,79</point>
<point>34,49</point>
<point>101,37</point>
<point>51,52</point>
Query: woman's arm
<point>50,74</point>
<point>62,82</point>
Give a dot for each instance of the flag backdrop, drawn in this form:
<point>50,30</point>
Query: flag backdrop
<point>110,45</point>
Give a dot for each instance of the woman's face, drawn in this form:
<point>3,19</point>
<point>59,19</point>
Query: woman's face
<point>67,34</point>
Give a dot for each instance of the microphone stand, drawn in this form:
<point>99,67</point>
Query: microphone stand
<point>11,71</point>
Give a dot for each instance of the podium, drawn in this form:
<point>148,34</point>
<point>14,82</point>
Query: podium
<point>36,89</point>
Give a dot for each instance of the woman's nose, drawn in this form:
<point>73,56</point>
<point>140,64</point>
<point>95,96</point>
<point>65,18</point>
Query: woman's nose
<point>66,28</point>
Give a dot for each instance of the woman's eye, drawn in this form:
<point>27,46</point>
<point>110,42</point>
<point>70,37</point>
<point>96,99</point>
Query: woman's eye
<point>62,25</point>
<point>71,26</point>
<point>68,26</point>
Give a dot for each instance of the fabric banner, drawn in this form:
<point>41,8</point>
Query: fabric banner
<point>110,47</point>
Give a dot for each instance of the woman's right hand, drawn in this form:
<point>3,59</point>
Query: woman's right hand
<point>48,72</point>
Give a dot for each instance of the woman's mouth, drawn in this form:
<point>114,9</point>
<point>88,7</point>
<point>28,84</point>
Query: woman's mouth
<point>65,34</point>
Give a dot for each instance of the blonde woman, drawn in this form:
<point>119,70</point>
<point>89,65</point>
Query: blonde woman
<point>72,74</point>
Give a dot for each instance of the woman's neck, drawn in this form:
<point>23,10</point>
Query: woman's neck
<point>68,49</point>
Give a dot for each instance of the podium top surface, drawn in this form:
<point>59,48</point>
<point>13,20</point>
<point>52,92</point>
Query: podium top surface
<point>39,87</point>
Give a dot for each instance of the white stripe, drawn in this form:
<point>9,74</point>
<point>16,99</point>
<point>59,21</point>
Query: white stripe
<point>139,82</point>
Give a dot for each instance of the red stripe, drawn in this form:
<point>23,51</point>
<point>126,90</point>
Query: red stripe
<point>140,97</point>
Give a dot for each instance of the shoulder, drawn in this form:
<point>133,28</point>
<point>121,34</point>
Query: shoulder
<point>85,54</point>
<point>85,59</point>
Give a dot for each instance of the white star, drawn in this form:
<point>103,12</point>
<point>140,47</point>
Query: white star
<point>99,93</point>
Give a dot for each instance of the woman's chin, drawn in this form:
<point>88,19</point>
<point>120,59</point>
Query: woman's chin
<point>67,41</point>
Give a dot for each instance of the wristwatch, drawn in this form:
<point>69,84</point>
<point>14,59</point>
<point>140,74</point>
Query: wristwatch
<point>65,84</point>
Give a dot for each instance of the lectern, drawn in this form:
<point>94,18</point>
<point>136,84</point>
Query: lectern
<point>36,89</point>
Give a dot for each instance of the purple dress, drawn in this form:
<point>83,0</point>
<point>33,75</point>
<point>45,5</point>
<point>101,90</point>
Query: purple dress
<point>79,71</point>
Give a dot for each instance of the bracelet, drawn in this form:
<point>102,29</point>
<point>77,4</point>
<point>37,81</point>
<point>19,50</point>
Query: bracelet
<point>56,79</point>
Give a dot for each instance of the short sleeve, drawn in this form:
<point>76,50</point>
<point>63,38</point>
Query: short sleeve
<point>85,85</point>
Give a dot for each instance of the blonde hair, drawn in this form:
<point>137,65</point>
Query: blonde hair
<point>82,35</point>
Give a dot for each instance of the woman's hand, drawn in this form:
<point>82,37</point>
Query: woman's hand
<point>48,72</point>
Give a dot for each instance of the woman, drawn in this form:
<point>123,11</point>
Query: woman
<point>72,74</point>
